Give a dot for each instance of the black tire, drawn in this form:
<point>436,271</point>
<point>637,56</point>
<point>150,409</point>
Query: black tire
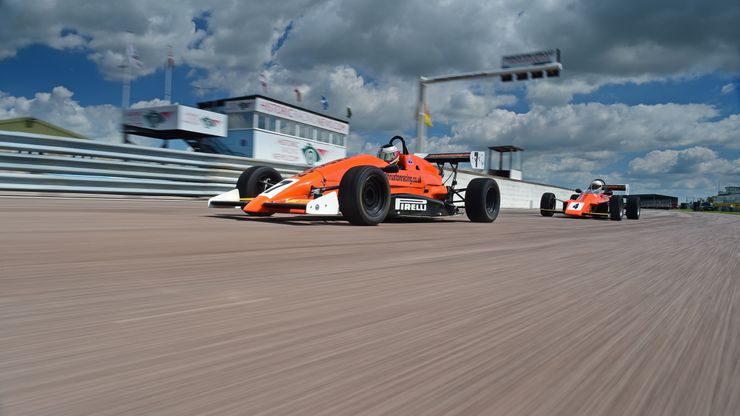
<point>616,207</point>
<point>547,202</point>
<point>255,180</point>
<point>482,200</point>
<point>633,207</point>
<point>364,195</point>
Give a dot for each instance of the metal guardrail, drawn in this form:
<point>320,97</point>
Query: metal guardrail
<point>33,162</point>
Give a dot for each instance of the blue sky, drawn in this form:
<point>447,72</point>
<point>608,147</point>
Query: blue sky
<point>28,73</point>
<point>658,105</point>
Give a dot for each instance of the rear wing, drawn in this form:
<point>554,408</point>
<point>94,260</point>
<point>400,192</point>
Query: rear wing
<point>625,188</point>
<point>477,159</point>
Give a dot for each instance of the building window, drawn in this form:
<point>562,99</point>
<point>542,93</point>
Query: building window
<point>287,127</point>
<point>240,121</point>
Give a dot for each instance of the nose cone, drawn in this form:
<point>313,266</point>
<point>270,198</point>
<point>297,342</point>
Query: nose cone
<point>291,188</point>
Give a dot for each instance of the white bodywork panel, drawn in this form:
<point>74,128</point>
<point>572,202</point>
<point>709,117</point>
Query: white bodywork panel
<point>277,188</point>
<point>324,205</point>
<point>230,196</point>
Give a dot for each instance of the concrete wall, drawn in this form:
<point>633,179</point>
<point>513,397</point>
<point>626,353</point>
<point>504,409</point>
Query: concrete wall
<point>516,194</point>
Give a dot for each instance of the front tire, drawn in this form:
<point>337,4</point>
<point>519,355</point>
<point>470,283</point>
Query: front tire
<point>482,200</point>
<point>547,202</point>
<point>364,195</point>
<point>256,180</point>
<point>616,207</point>
<point>633,207</point>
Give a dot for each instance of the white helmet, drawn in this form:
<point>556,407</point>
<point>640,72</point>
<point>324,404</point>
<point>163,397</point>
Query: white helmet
<point>597,185</point>
<point>389,153</point>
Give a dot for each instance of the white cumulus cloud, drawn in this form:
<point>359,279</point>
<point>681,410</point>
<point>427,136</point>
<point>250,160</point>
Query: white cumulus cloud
<point>58,107</point>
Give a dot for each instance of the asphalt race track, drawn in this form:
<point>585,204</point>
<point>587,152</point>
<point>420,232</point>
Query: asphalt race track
<point>162,307</point>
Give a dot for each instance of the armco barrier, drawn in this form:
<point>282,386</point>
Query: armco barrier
<point>32,162</point>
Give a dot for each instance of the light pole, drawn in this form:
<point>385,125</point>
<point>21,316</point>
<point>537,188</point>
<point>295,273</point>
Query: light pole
<point>509,72</point>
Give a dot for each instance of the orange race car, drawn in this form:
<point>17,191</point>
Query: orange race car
<point>366,189</point>
<point>599,201</point>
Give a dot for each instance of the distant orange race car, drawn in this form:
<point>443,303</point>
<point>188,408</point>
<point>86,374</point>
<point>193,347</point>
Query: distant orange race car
<point>599,201</point>
<point>366,190</point>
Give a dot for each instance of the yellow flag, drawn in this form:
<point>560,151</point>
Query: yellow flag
<point>427,117</point>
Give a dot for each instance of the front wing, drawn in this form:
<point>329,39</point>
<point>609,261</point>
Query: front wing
<point>584,214</point>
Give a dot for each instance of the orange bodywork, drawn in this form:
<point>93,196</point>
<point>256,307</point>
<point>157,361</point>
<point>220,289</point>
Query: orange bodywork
<point>585,205</point>
<point>415,176</point>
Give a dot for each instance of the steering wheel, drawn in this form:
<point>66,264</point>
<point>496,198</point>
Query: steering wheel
<point>403,144</point>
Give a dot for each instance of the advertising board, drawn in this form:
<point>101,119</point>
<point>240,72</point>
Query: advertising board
<point>177,117</point>
<point>532,58</point>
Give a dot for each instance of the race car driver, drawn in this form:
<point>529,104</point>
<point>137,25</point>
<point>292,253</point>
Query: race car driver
<point>597,186</point>
<point>390,154</point>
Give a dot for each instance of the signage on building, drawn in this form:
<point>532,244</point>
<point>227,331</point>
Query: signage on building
<point>239,106</point>
<point>281,148</point>
<point>177,117</point>
<point>280,110</point>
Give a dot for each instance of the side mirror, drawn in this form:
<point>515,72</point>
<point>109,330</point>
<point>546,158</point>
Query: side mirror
<point>390,169</point>
<point>609,192</point>
<point>579,191</point>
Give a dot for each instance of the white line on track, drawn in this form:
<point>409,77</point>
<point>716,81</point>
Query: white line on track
<point>205,308</point>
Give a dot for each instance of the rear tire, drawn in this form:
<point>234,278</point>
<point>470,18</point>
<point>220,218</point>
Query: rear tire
<point>482,200</point>
<point>616,207</point>
<point>547,202</point>
<point>633,207</point>
<point>256,180</point>
<point>364,195</point>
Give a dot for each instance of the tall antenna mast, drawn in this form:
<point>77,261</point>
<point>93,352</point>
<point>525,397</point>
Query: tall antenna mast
<point>126,84</point>
<point>168,75</point>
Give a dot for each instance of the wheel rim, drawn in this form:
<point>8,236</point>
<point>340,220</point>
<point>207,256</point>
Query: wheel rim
<point>264,184</point>
<point>490,201</point>
<point>372,197</point>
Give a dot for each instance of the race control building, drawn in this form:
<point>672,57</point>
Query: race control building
<point>263,128</point>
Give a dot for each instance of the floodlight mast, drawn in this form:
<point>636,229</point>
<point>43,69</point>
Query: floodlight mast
<point>512,72</point>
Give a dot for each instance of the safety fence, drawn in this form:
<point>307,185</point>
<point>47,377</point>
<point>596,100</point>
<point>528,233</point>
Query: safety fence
<point>33,162</point>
